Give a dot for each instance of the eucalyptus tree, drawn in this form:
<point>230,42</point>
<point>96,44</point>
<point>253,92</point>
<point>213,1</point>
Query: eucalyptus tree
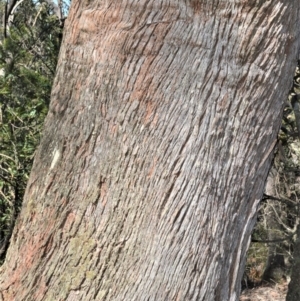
<point>155,151</point>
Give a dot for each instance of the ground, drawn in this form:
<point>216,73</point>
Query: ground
<point>265,293</point>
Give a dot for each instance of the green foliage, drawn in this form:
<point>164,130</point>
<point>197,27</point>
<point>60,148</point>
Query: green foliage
<point>256,263</point>
<point>28,58</point>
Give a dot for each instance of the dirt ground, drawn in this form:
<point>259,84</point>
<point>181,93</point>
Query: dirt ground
<point>265,293</point>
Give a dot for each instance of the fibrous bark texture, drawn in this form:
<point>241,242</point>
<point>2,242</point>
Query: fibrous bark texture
<point>163,118</point>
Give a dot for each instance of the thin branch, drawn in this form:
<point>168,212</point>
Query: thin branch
<point>272,240</point>
<point>286,201</point>
<point>36,17</point>
<point>4,20</point>
<point>8,10</point>
<point>5,197</point>
<point>7,181</point>
<point>7,157</point>
<point>10,7</point>
<point>288,229</point>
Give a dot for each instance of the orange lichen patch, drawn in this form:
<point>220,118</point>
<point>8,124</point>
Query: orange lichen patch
<point>154,121</point>
<point>88,21</point>
<point>223,103</point>
<point>137,94</point>
<point>32,216</point>
<point>114,128</point>
<point>12,279</point>
<point>62,200</point>
<point>149,111</point>
<point>143,85</point>
<point>78,91</point>
<point>30,252</point>
<point>103,109</point>
<point>69,221</point>
<point>41,290</point>
<point>74,33</point>
<point>196,6</point>
<point>179,296</point>
<point>78,86</point>
<point>152,168</point>
<point>48,245</point>
<point>103,193</point>
<point>6,295</point>
<point>50,182</point>
<point>93,21</point>
<point>82,150</point>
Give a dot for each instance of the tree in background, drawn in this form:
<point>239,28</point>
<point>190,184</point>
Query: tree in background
<point>30,41</point>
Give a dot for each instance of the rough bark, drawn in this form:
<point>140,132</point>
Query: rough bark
<point>155,151</point>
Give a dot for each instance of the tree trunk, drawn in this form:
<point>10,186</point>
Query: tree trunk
<point>155,151</point>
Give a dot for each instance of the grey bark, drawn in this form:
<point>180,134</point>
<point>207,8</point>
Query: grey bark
<point>156,148</point>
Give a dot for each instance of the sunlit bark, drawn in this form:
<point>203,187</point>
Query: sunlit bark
<point>163,119</point>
